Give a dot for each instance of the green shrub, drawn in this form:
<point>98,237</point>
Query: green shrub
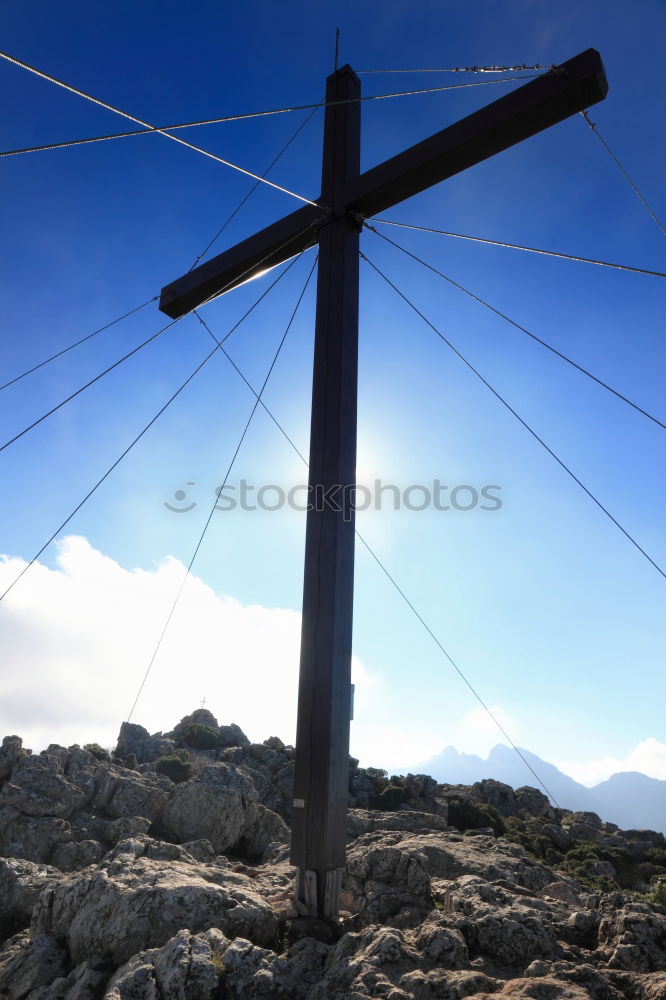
<point>377,776</point>
<point>391,798</point>
<point>200,737</point>
<point>473,816</point>
<point>97,751</point>
<point>657,855</point>
<point>658,894</point>
<point>176,766</point>
<point>580,862</point>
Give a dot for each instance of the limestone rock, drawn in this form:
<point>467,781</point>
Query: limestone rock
<point>119,913</point>
<point>360,821</point>
<point>634,938</point>
<point>122,793</point>
<point>233,736</point>
<point>263,832</point>
<point>441,944</point>
<point>187,966</point>
<point>130,903</point>
<point>200,850</point>
<point>73,856</point>
<point>564,891</point>
<point>387,883</point>
<point>10,752</point>
<point>560,837</point>
<point>437,983</point>
<point>21,883</point>
<point>532,802</point>
<point>137,741</point>
<point>514,936</point>
<point>31,837</point>
<point>38,789</point>
<point>545,988</point>
<point>85,982</point>
<point>271,771</point>
<point>450,855</point>
<point>215,806</point>
<point>29,962</point>
<point>496,794</point>
<point>366,963</point>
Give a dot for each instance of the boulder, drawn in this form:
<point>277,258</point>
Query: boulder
<point>233,736</point>
<point>387,883</point>
<point>187,966</point>
<point>27,962</point>
<point>514,936</point>
<point>422,985</point>
<point>262,833</point>
<point>216,806</point>
<point>39,788</point>
<point>31,837</point>
<point>134,740</point>
<point>532,802</point>
<point>441,944</point>
<point>85,982</point>
<point>11,752</point>
<point>271,771</point>
<point>546,988</point>
<point>633,937</point>
<point>121,793</point>
<point>450,855</point>
<point>567,892</point>
<point>73,856</point>
<point>360,821</point>
<point>496,794</point>
<point>21,883</point>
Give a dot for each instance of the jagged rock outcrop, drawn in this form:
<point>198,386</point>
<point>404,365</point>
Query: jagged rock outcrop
<point>21,884</point>
<point>214,806</point>
<point>119,883</point>
<point>130,902</point>
<point>186,966</point>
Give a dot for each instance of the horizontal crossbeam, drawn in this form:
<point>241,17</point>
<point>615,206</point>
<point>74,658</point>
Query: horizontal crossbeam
<point>566,90</point>
<point>266,249</point>
<point>571,87</point>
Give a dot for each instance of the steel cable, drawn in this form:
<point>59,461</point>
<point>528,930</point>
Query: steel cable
<point>226,476</point>
<point>99,482</point>
<point>517,416</point>
<point>388,575</point>
<point>522,329</point>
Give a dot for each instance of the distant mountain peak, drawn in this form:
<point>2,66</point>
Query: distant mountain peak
<point>628,798</point>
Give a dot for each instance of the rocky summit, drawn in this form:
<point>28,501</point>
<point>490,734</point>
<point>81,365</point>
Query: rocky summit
<point>160,871</point>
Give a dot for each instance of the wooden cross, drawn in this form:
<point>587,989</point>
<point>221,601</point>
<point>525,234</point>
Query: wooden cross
<point>321,778</point>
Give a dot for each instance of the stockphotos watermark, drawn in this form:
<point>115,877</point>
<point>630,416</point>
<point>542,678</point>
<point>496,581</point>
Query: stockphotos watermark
<point>270,497</point>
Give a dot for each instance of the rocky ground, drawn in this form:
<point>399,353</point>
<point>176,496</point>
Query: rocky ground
<point>162,873</point>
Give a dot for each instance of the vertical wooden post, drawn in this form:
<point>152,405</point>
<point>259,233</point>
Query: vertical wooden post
<point>318,840</point>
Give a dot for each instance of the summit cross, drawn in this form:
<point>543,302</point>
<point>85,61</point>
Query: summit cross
<point>348,197</point>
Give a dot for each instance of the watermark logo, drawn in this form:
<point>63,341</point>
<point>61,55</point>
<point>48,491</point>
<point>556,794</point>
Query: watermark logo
<point>270,497</point>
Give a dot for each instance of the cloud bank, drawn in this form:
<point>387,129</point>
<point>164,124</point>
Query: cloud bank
<point>77,639</point>
<point>647,757</point>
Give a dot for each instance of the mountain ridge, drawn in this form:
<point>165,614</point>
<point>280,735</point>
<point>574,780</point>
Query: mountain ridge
<point>629,798</point>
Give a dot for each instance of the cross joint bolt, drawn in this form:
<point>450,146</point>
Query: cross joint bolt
<point>353,220</point>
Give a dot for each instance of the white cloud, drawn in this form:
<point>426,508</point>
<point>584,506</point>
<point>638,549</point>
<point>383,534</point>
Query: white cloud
<point>477,733</point>
<point>647,757</point>
<point>77,639</point>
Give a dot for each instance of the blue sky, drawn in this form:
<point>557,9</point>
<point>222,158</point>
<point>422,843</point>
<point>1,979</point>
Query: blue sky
<point>553,616</point>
